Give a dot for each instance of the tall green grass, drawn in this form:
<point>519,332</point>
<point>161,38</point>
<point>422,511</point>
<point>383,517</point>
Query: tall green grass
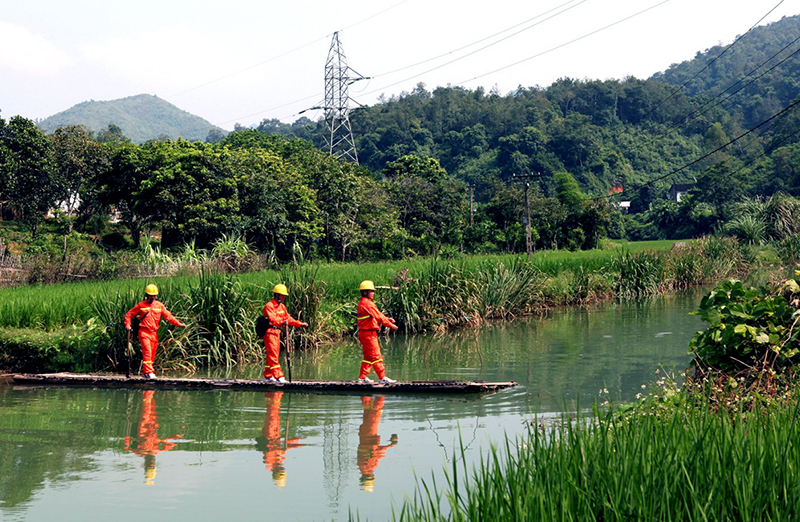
<point>679,463</point>
<point>422,294</point>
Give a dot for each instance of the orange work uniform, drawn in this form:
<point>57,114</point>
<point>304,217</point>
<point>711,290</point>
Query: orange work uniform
<point>271,443</point>
<point>370,451</point>
<point>149,315</point>
<point>277,314</point>
<point>370,320</point>
<point>146,443</point>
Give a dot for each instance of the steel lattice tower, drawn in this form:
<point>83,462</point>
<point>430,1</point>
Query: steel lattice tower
<point>337,110</point>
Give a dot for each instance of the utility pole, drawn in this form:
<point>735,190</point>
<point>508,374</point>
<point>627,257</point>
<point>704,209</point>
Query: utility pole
<point>337,111</point>
<point>528,242</point>
<point>471,203</point>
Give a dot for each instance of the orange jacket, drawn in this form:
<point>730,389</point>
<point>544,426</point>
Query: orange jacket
<point>150,315</point>
<point>369,317</point>
<point>277,315</point>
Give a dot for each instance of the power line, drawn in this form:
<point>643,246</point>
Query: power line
<point>225,77</point>
<point>566,43</point>
<point>713,61</point>
<point>689,117</point>
<point>505,38</point>
<point>721,147</point>
<point>240,71</point>
<point>472,44</point>
<point>692,116</point>
<point>480,49</point>
<point>485,38</point>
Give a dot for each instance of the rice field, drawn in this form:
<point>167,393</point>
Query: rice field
<point>422,294</point>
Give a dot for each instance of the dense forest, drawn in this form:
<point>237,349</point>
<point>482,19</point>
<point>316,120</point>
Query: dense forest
<point>438,168</point>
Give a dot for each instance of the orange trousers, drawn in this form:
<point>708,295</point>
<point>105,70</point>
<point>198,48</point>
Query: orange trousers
<point>272,345</point>
<point>149,341</point>
<point>372,354</point>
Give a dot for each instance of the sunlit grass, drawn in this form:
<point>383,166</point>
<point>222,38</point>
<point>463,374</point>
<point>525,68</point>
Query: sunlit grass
<point>422,294</point>
<point>683,462</point>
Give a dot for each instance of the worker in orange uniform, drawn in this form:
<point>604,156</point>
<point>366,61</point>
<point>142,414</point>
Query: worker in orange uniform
<point>146,443</point>
<point>370,320</point>
<point>370,451</point>
<point>271,443</point>
<point>149,313</point>
<point>275,311</point>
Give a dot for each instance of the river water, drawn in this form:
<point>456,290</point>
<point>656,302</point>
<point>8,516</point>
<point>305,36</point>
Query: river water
<point>80,454</point>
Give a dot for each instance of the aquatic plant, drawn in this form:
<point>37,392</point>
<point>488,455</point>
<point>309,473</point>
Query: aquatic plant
<point>639,273</point>
<point>748,327</point>
<point>682,462</point>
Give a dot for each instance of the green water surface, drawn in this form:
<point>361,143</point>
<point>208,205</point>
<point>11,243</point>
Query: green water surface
<point>82,454</point>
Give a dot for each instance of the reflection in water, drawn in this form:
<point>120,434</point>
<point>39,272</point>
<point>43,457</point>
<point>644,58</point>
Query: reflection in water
<point>63,447</point>
<point>271,443</point>
<point>146,443</point>
<point>370,451</point>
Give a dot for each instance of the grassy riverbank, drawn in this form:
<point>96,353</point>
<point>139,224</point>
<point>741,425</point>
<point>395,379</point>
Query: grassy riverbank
<point>78,326</point>
<point>720,446</point>
<point>677,461</point>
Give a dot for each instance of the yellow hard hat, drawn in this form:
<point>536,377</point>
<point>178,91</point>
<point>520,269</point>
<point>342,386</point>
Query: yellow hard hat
<point>367,285</point>
<point>280,289</point>
<point>279,477</point>
<point>149,475</point>
<point>368,484</point>
<point>151,289</point>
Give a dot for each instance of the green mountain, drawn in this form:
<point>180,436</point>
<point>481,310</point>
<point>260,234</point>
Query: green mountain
<point>141,118</point>
<point>753,78</point>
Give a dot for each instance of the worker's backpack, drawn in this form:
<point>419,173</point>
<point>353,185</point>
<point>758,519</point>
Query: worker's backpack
<point>262,323</point>
<point>135,322</point>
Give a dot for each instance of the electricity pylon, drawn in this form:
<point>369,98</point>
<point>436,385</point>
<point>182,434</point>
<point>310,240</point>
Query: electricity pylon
<point>337,109</point>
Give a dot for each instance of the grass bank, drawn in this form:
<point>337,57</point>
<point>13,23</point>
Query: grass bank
<point>683,461</point>
<point>720,446</point>
<point>78,326</point>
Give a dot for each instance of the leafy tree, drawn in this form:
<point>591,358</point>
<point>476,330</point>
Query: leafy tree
<point>215,135</point>
<point>277,209</point>
<point>30,182</point>
<point>567,190</point>
<point>719,186</point>
<point>381,236</point>
<point>193,191</point>
<point>430,203</point>
<point>79,161</point>
<point>506,211</point>
<point>120,187</point>
<point>112,135</point>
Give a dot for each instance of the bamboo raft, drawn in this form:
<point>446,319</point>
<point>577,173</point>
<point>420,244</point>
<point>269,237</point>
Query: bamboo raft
<point>121,381</point>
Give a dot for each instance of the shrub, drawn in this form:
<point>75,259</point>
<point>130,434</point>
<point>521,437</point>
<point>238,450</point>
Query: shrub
<point>750,329</point>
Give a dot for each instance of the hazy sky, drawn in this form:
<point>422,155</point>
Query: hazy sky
<point>239,61</point>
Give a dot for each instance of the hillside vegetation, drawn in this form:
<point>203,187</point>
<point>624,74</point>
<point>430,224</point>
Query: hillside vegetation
<point>140,118</point>
<point>439,170</point>
<point>639,134</point>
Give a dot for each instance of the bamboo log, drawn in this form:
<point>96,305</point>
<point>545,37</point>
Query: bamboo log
<point>121,381</point>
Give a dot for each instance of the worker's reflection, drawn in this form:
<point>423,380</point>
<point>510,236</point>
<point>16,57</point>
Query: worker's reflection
<point>146,443</point>
<point>370,451</point>
<point>271,443</point>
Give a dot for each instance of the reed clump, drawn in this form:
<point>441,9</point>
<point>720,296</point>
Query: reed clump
<point>681,462</point>
<point>423,295</point>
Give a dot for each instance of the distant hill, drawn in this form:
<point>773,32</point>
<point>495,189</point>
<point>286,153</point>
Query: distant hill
<point>754,78</point>
<point>141,118</point>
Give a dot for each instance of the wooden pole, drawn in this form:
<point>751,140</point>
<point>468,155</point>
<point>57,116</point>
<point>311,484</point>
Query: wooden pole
<point>528,242</point>
<point>128,352</point>
<point>288,355</point>
<point>471,204</point>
